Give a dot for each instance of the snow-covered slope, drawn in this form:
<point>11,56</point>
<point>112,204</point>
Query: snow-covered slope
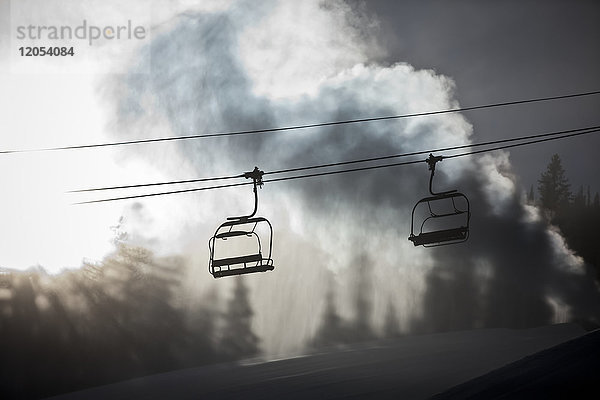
<point>566,371</point>
<point>411,367</point>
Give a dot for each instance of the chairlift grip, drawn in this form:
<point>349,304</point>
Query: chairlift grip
<point>256,176</point>
<point>431,160</point>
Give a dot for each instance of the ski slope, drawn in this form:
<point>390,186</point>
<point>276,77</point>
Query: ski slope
<point>410,367</point>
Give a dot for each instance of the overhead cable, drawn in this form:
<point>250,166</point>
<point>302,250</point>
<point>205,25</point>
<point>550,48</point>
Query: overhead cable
<point>318,174</point>
<point>305,126</point>
<point>341,163</point>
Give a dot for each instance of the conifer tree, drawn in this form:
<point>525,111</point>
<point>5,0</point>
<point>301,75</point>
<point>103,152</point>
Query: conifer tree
<point>391,328</point>
<point>530,196</point>
<point>554,187</point>
<point>238,339</point>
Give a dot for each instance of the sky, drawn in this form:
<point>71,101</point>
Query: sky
<point>222,66</point>
<point>514,49</point>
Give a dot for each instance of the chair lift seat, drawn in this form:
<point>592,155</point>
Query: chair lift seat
<point>445,235</point>
<point>441,236</point>
<point>262,266</point>
<point>229,234</point>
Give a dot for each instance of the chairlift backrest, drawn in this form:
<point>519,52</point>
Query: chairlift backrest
<point>259,260</point>
<point>441,228</point>
<point>236,228</point>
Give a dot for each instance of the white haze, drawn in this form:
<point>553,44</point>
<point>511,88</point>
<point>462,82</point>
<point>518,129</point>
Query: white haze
<point>285,63</point>
<point>258,65</point>
<point>53,101</point>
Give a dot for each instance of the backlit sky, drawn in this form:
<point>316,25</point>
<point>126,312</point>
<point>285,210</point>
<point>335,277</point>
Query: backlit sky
<point>504,50</point>
<point>214,66</point>
<point>492,52</point>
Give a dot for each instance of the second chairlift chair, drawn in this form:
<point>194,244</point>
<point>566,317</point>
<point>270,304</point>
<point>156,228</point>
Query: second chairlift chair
<point>446,227</point>
<point>236,229</point>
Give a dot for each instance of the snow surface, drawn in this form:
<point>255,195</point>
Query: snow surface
<point>410,367</point>
<point>568,370</point>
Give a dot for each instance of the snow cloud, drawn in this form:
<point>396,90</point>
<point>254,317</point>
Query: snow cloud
<point>284,63</point>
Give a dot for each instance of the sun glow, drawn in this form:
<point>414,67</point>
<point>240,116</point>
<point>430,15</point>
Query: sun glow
<point>39,225</point>
<point>53,102</point>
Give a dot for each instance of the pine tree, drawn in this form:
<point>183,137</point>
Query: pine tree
<point>530,196</point>
<point>588,201</point>
<point>363,307</point>
<point>579,199</point>
<point>391,328</point>
<point>238,339</point>
<point>554,187</point>
<point>331,331</point>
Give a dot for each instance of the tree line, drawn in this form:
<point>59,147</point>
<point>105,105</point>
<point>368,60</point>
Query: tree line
<point>112,321</point>
<point>124,318</point>
<point>576,214</point>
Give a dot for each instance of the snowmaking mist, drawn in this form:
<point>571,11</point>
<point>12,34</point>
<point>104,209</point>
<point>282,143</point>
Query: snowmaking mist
<point>343,263</point>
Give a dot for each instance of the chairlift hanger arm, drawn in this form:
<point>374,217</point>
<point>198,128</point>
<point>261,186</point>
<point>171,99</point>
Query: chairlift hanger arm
<point>431,160</point>
<point>256,176</point>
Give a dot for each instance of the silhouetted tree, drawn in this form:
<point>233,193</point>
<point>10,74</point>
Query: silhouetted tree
<point>111,321</point>
<point>201,324</point>
<point>391,327</point>
<point>577,216</point>
<point>361,329</point>
<point>332,331</point>
<point>588,201</point>
<point>238,339</point>
<point>579,199</point>
<point>554,187</point>
<point>531,196</point>
<point>579,224</point>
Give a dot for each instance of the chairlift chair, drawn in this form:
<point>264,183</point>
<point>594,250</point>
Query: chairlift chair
<point>236,229</point>
<point>449,226</point>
